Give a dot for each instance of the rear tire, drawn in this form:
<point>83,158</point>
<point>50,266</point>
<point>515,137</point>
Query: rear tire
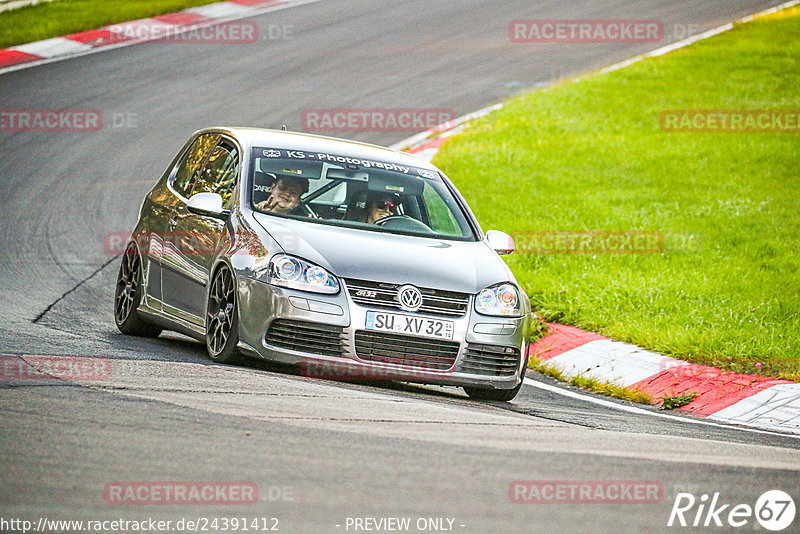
<point>128,296</point>
<point>222,318</point>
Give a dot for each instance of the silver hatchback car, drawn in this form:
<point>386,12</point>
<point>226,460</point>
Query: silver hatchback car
<point>351,260</point>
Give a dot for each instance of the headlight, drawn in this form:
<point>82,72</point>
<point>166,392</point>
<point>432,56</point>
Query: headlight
<point>500,300</point>
<point>294,273</point>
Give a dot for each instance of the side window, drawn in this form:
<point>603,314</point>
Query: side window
<point>219,173</point>
<point>441,217</point>
<point>192,162</point>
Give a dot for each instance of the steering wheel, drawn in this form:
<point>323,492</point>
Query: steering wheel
<point>404,223</point>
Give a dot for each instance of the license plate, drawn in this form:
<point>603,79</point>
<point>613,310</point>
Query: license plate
<point>409,324</point>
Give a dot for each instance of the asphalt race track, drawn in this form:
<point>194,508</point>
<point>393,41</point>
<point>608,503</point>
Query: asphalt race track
<point>320,451</point>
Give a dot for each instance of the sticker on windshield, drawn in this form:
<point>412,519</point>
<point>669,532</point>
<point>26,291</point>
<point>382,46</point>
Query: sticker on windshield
<point>365,163</point>
<point>272,153</point>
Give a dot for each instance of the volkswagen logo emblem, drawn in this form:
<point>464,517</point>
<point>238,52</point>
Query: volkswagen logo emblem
<point>409,297</point>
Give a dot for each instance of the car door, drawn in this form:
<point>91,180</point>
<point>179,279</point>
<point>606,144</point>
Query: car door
<point>178,186</point>
<point>197,239</point>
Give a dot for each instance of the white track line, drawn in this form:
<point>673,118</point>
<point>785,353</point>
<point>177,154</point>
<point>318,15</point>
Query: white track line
<point>639,411</point>
<point>776,407</point>
<point>9,5</point>
<point>254,12</point>
<point>55,47</point>
<point>221,10</point>
<point>694,38</point>
<point>620,363</point>
<point>416,139</point>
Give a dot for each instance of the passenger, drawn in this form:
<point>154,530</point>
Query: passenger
<point>380,206</point>
<point>284,195</point>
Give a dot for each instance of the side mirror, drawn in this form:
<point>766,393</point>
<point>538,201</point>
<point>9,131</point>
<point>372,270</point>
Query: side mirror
<point>207,204</point>
<point>501,242</point>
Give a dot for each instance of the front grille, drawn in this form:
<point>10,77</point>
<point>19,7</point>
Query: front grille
<point>422,353</point>
<point>434,301</point>
<point>490,360</point>
<point>303,336</point>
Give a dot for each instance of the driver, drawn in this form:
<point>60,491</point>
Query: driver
<point>381,205</point>
<point>284,195</point>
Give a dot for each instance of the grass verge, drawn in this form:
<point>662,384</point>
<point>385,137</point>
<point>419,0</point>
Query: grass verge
<point>672,402</point>
<point>590,155</point>
<point>592,384</point>
<point>62,17</point>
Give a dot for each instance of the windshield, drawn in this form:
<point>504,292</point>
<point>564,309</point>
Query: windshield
<point>346,191</point>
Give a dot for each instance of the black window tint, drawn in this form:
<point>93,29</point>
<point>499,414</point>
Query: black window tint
<point>192,162</point>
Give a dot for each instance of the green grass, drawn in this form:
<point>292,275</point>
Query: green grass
<point>62,17</point>
<point>589,154</point>
<point>673,402</point>
<point>592,384</point>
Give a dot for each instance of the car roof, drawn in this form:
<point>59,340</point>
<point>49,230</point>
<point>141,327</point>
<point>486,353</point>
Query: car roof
<point>263,137</point>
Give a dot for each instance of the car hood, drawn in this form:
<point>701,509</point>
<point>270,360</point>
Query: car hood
<point>463,266</point>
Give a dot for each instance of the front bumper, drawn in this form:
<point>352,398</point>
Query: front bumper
<point>326,336</point>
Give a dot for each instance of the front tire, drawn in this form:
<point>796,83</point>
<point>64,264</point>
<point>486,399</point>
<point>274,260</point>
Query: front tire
<point>128,296</point>
<point>500,395</point>
<point>222,319</point>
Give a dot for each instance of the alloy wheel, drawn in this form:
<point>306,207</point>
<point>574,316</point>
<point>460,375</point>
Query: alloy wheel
<point>127,285</point>
<point>221,313</point>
